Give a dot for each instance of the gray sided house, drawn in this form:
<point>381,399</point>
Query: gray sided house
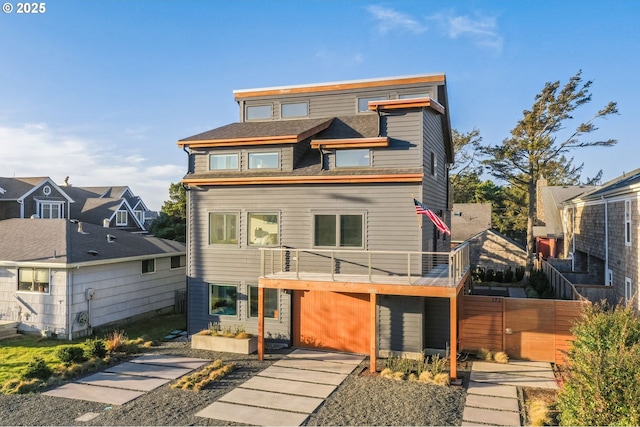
<point>602,236</point>
<point>320,179</point>
<point>64,278</point>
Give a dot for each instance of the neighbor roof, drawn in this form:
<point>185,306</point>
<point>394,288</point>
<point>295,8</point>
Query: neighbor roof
<point>17,187</point>
<point>58,241</point>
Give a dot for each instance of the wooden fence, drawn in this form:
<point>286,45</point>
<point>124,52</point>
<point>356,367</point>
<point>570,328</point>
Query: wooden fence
<point>529,329</point>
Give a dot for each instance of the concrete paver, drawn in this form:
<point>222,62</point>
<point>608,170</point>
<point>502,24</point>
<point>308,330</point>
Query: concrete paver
<point>170,360</point>
<point>514,380</point>
<point>112,396</point>
<point>130,368</point>
<point>251,415</point>
<point>316,365</point>
<point>500,403</point>
<point>328,356</point>
<point>302,375</point>
<point>491,416</point>
<point>129,382</point>
<point>259,382</point>
<point>271,400</point>
<point>488,389</point>
<point>514,367</point>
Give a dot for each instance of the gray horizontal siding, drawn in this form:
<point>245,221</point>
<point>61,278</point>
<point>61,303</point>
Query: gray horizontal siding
<point>436,323</point>
<point>400,321</point>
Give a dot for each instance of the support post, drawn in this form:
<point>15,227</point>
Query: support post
<point>453,348</point>
<point>260,323</point>
<point>373,347</point>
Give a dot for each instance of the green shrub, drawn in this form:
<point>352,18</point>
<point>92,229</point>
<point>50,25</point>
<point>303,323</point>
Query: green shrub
<point>37,368</point>
<point>539,281</point>
<point>95,348</point>
<point>508,275</point>
<point>490,275</point>
<point>603,371</point>
<point>519,273</point>
<point>71,354</point>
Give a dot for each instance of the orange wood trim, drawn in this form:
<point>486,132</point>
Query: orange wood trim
<point>350,142</point>
<point>260,323</point>
<point>292,90</point>
<point>453,348</point>
<point>334,179</point>
<point>358,288</point>
<point>395,104</point>
<point>373,323</point>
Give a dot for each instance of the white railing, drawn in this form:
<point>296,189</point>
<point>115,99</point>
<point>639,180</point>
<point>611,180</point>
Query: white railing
<point>330,262</point>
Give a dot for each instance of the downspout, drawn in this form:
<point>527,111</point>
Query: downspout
<point>69,296</point>
<point>606,240</point>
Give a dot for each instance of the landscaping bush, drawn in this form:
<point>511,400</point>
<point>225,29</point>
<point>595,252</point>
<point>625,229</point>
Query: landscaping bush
<point>508,275</point>
<point>95,348</point>
<point>71,354</point>
<point>603,370</point>
<point>490,275</point>
<point>540,283</point>
<point>37,368</point>
<point>519,273</point>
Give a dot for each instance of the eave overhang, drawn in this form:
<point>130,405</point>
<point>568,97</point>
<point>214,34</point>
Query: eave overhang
<point>350,143</point>
<point>397,104</point>
<point>327,179</point>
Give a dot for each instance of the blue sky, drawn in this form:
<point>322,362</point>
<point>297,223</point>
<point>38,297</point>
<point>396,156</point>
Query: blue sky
<point>102,90</point>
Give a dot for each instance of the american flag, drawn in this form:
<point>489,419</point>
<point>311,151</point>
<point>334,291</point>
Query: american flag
<point>423,210</point>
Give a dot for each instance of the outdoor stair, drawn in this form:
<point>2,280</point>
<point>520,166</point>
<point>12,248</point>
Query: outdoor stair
<point>8,329</point>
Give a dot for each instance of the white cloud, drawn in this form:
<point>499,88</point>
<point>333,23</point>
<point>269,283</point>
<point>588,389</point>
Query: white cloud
<point>37,150</point>
<point>390,19</point>
<point>480,30</point>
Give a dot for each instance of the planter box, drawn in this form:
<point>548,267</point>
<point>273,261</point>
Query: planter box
<point>224,344</point>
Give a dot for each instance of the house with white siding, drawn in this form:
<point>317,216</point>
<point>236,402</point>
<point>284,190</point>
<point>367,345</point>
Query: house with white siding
<point>302,226</point>
<point>64,278</point>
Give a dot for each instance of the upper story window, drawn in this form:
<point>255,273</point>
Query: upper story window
<point>148,266</point>
<point>258,112</point>
<point>122,218</point>
<point>263,229</point>
<point>51,210</point>
<point>264,161</point>
<point>627,222</point>
<point>433,164</point>
<point>46,190</point>
<point>413,95</point>
<point>353,158</point>
<point>223,228</point>
<point>33,279</point>
<point>294,109</point>
<point>363,103</point>
<point>178,261</point>
<point>628,290</point>
<point>139,215</point>
<point>342,231</point>
<point>223,162</point>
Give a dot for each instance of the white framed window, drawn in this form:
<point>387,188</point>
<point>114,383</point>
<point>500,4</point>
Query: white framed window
<point>139,215</point>
<point>609,277</point>
<point>294,109</point>
<point>223,299</point>
<point>178,261</point>
<point>270,302</point>
<point>628,290</point>
<point>46,190</point>
<point>338,230</point>
<point>223,228</point>
<point>363,103</point>
<point>33,280</point>
<point>51,210</point>
<point>223,162</point>
<point>148,266</point>
<point>263,229</point>
<point>122,218</point>
<point>258,112</point>
<point>353,158</point>
<point>627,222</point>
<point>264,160</point>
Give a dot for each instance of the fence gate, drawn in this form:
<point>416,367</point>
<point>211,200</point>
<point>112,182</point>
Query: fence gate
<point>530,329</point>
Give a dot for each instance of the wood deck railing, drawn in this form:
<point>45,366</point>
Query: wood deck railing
<point>411,266</point>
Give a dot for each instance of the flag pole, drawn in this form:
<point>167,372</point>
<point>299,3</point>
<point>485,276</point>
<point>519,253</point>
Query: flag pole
<point>418,218</point>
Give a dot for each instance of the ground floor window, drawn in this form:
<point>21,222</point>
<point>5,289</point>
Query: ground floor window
<point>33,279</point>
<point>223,300</point>
<point>270,302</point>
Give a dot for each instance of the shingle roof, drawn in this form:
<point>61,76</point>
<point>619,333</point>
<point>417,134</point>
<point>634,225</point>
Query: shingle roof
<point>39,240</point>
<point>258,129</point>
<point>17,187</point>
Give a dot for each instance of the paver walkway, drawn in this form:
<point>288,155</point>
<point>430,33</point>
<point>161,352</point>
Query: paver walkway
<point>492,397</point>
<point>287,392</point>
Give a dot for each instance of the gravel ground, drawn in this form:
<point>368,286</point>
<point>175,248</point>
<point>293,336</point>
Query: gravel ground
<point>362,399</point>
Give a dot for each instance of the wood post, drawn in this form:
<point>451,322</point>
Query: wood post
<point>453,347</point>
<point>373,323</point>
<point>260,323</point>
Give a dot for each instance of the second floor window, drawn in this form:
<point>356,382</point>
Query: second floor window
<point>627,222</point>
<point>353,158</point>
<point>51,210</point>
<point>122,218</point>
<point>341,231</point>
<point>223,228</point>
<point>263,229</point>
<point>223,162</point>
<point>264,161</point>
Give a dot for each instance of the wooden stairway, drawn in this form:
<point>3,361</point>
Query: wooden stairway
<point>8,329</point>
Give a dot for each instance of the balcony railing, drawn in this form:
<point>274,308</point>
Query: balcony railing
<point>410,268</point>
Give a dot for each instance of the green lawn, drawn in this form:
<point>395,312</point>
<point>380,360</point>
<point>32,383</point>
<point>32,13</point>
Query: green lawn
<point>16,353</point>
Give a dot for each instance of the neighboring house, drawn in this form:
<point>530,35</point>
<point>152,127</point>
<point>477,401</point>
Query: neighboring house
<point>602,234</point>
<point>40,197</point>
<point>492,250</point>
<point>548,229</point>
<point>314,183</point>
<point>469,219</point>
<point>64,278</point>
